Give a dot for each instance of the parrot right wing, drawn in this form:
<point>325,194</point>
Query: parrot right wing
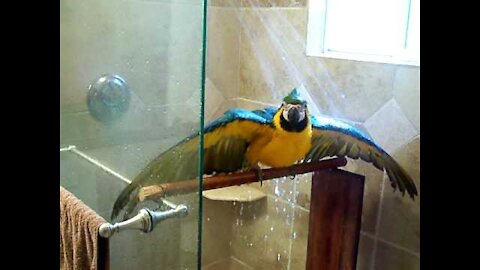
<point>334,138</point>
<point>225,143</point>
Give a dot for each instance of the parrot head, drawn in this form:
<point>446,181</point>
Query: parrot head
<point>294,108</point>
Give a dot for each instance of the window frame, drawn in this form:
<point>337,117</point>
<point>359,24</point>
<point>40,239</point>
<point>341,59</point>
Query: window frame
<point>315,44</point>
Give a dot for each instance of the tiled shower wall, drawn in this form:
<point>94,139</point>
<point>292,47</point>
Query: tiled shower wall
<point>256,56</point>
<point>153,45</point>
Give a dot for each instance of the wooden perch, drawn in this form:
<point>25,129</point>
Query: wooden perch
<point>234,179</point>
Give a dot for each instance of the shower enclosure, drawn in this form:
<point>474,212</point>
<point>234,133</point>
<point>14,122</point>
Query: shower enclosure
<point>130,87</point>
<point>132,84</point>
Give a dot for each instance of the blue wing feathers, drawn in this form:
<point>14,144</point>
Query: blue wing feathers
<point>261,117</point>
<point>329,124</point>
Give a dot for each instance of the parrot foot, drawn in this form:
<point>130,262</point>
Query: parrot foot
<point>258,172</point>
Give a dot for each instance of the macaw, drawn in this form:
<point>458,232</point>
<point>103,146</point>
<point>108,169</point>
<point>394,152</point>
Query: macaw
<point>275,137</point>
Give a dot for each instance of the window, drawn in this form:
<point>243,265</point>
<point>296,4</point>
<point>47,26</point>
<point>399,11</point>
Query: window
<point>386,31</point>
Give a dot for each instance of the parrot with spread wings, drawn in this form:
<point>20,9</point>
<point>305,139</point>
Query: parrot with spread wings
<point>274,137</point>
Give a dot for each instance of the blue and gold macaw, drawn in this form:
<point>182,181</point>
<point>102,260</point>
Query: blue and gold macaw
<point>275,137</point>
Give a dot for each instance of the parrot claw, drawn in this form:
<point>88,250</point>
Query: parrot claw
<point>259,175</point>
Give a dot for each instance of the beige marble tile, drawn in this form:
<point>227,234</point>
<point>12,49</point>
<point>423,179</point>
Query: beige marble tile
<point>228,264</point>
<point>388,257</point>
<point>139,123</point>
<point>250,104</point>
<point>303,189</point>
<point>365,253</point>
<point>274,3</point>
<point>217,217</point>
<point>223,55</point>
<point>298,256</point>
<point>236,264</point>
<point>351,89</point>
<point>406,90</point>
<point>262,232</point>
<point>218,111</point>
<point>214,99</point>
<point>129,159</point>
<point>282,188</point>
<point>273,62</point>
<point>151,44</point>
<point>389,127</point>
<point>371,197</point>
<point>371,193</point>
<point>224,3</point>
<point>268,70</point>
<point>400,218</point>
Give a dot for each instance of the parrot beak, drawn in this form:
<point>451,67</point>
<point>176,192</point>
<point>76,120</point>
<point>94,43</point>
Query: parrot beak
<point>293,115</point>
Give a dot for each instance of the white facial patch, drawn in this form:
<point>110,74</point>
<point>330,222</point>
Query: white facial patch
<point>301,111</point>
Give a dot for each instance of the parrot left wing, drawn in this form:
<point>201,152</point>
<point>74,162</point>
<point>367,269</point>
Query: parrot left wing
<point>334,138</point>
<point>225,143</point>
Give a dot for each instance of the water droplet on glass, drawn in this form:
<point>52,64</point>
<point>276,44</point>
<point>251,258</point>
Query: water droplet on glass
<point>277,191</point>
<point>278,257</point>
<point>147,62</point>
<point>271,229</point>
<point>294,235</point>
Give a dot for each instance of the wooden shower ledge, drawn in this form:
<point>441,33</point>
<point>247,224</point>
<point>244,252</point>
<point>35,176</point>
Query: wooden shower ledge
<point>335,207</point>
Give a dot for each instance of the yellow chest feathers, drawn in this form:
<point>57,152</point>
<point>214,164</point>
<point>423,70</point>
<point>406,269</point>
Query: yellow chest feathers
<point>283,148</point>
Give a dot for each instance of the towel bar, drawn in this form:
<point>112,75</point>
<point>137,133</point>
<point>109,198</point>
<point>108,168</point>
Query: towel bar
<point>146,219</point>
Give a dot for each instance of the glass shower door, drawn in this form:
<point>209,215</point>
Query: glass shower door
<point>151,50</point>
